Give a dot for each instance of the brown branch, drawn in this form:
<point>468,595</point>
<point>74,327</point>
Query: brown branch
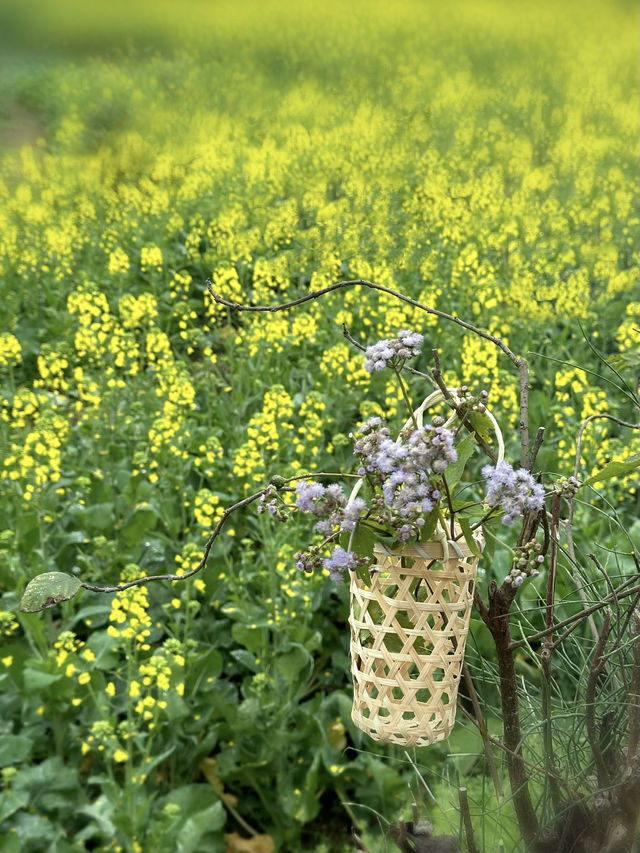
<point>439,381</point>
<point>466,819</point>
<point>484,733</point>
<point>517,361</point>
<point>209,544</point>
<point>498,623</point>
<point>634,691</point>
<point>597,663</point>
<point>537,444</point>
<point>575,620</point>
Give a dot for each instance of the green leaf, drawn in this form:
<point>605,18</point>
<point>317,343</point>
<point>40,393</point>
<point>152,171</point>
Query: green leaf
<point>614,469</point>
<point>35,680</point>
<point>429,525</point>
<point>14,748</point>
<point>201,823</point>
<point>465,526</point>
<point>361,541</point>
<point>454,472</point>
<point>145,518</point>
<point>48,589</point>
<point>10,802</point>
<point>291,665</point>
<point>482,425</point>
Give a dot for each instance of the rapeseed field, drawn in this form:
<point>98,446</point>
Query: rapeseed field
<point>478,157</point>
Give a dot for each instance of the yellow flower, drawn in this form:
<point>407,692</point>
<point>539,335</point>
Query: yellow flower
<point>110,689</point>
<point>8,660</point>
<point>120,755</point>
<point>84,677</point>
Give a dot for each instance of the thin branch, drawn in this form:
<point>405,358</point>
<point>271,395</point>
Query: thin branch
<point>584,425</point>
<point>209,544</point>
<point>597,663</point>
<point>518,361</point>
<point>634,692</point>
<point>537,444</point>
<point>466,819</point>
<point>575,620</point>
<point>439,381</point>
<point>482,728</point>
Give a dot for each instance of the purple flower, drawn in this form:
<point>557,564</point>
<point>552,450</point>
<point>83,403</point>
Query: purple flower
<point>339,561</point>
<point>406,345</point>
<point>351,514</point>
<point>514,491</point>
<point>307,495</point>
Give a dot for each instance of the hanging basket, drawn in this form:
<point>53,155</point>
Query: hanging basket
<point>408,632</point>
<point>409,626</point>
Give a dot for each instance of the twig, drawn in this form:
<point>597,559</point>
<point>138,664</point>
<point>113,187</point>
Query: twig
<point>537,444</point>
<point>517,361</point>
<point>634,692</point>
<point>546,657</point>
<point>482,728</point>
<point>619,631</point>
<point>574,620</point>
<point>597,663</point>
<point>438,379</point>
<point>209,544</point>
<point>575,574</point>
<point>466,818</point>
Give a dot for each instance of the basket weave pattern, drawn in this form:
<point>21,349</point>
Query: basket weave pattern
<point>408,633</point>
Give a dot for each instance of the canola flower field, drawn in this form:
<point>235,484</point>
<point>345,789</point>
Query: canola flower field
<point>477,157</point>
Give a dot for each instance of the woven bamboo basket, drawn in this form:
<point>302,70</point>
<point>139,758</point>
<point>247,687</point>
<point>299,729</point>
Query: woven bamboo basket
<point>409,627</point>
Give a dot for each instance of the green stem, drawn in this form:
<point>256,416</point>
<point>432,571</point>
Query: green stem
<point>403,388</point>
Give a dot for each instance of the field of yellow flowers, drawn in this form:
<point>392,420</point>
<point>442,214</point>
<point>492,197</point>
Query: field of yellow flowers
<point>479,157</point>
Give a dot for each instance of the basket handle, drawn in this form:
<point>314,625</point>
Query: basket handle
<point>437,397</point>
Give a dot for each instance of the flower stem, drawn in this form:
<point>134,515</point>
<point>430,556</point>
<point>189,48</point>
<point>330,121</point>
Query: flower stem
<point>403,389</point>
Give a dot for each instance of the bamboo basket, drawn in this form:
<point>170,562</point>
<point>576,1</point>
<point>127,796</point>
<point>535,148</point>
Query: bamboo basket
<point>409,627</point>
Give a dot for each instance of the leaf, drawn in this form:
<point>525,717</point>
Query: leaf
<point>465,526</point>
<point>14,748</point>
<point>361,541</point>
<point>144,518</point>
<point>482,425</point>
<point>429,525</point>
<point>11,802</point>
<point>290,665</point>
<point>614,469</point>
<point>35,680</point>
<point>199,825</point>
<point>465,450</point>
<point>209,768</point>
<point>48,589</point>
<point>235,843</point>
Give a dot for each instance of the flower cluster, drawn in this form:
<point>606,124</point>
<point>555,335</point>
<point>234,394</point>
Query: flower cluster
<point>393,350</point>
<point>526,564</point>
<point>566,486</point>
<point>514,491</point>
<point>329,505</point>
<point>406,470</point>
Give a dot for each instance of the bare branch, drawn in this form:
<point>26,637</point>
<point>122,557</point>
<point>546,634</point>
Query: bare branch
<point>518,361</point>
<point>482,728</point>
<point>466,819</point>
<point>590,704</point>
<point>209,544</point>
